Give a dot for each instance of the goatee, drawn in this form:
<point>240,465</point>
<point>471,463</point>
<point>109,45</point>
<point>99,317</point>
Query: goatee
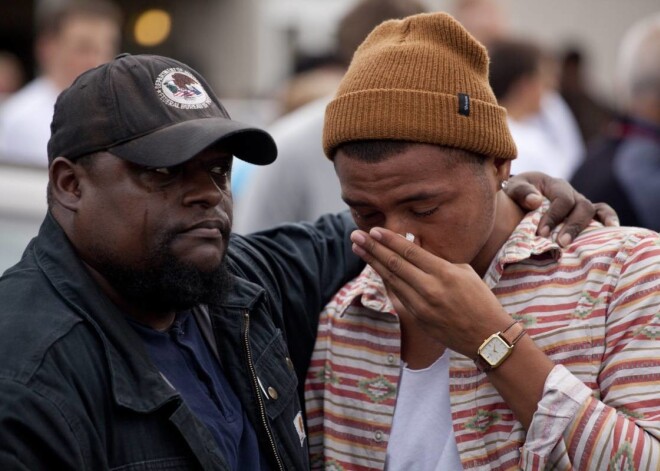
<point>164,283</point>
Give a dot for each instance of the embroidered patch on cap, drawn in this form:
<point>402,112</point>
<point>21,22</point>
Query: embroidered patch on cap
<point>299,424</point>
<point>179,88</point>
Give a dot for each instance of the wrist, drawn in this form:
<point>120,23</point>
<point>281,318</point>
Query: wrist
<point>495,349</point>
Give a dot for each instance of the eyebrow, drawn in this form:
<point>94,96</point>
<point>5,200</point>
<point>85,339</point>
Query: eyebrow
<point>421,196</point>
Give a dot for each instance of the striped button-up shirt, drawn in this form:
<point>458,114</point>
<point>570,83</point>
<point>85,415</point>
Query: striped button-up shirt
<point>593,308</point>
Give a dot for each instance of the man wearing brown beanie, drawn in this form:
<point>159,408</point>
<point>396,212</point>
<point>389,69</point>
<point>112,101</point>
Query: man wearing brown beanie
<point>469,342</point>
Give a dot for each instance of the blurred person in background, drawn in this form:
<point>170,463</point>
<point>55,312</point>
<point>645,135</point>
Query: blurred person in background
<point>11,75</point>
<point>71,38</point>
<point>486,20</point>
<point>316,79</point>
<point>518,77</point>
<point>622,168</point>
<point>299,177</point>
<point>554,123</point>
<point>310,83</point>
<point>591,114</point>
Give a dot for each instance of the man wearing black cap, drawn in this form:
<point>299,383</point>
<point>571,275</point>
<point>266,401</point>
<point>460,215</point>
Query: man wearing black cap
<point>109,351</point>
<point>134,334</point>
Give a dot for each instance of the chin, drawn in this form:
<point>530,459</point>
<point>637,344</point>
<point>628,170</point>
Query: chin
<point>205,258</point>
<point>205,263</point>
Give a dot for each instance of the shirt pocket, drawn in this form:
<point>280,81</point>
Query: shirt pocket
<point>276,376</point>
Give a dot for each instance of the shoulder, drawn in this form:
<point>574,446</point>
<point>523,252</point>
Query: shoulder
<point>35,95</point>
<point>623,236</point>
<point>617,246</point>
<point>35,322</point>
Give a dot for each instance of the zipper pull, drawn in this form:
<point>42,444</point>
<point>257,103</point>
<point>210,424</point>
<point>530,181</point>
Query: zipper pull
<point>263,390</point>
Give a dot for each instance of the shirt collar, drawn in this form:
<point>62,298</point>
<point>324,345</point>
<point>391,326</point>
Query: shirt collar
<point>523,244</point>
<point>367,290</point>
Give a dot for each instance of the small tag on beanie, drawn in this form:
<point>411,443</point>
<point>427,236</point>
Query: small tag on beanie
<point>464,104</point>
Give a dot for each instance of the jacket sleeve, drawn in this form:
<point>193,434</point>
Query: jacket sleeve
<point>615,423</point>
<point>34,433</point>
<point>301,266</point>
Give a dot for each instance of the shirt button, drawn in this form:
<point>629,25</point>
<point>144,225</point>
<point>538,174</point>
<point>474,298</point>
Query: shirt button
<point>378,436</point>
<point>272,392</point>
<point>390,358</point>
<point>289,363</point>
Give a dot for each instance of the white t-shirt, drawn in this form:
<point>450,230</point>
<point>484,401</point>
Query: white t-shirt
<point>549,142</point>
<point>25,123</point>
<point>422,438</point>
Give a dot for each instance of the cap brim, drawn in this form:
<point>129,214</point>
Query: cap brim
<point>180,142</point>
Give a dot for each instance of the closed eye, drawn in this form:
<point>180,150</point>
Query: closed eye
<point>364,216</point>
<point>425,213</point>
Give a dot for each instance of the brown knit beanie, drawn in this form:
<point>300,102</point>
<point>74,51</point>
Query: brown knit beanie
<point>421,79</point>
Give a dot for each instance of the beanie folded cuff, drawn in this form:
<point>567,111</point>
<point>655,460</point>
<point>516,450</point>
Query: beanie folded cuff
<point>417,116</point>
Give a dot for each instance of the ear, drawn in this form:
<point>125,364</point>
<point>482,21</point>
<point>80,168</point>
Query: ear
<point>64,177</point>
<point>502,168</point>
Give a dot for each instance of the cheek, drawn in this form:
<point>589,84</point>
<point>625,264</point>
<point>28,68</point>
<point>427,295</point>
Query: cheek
<point>457,234</point>
<point>123,225</point>
<point>227,205</point>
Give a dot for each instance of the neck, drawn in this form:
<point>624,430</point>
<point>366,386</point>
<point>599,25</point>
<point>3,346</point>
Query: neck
<point>155,319</point>
<point>507,217</point>
<point>418,349</point>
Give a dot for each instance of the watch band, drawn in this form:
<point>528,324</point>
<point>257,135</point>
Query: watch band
<point>511,335</point>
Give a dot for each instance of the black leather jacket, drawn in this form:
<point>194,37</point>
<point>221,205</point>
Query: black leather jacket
<point>78,391</point>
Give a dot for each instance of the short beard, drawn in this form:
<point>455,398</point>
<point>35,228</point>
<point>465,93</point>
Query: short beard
<point>164,284</point>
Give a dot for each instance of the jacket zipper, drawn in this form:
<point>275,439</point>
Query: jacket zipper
<point>255,387</point>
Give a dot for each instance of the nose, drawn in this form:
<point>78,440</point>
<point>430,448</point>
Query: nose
<point>202,189</point>
<point>398,224</point>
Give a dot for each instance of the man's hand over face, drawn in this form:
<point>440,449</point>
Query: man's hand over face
<point>450,301</point>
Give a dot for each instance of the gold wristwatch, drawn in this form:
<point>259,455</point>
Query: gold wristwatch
<point>496,348</point>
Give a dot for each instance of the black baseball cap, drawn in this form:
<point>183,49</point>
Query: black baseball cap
<point>152,111</point>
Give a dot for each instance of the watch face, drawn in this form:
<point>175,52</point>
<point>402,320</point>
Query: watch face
<point>494,350</point>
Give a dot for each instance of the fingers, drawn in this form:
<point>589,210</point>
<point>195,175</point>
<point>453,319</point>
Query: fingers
<point>392,249</point>
<point>606,214</point>
<point>579,218</point>
<point>566,205</point>
<point>521,189</point>
<point>398,273</point>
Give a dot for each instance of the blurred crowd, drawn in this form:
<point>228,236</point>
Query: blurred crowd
<point>558,123</point>
<point>607,146</point>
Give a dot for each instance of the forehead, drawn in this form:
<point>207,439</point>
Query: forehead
<point>415,161</point>
<point>420,168</point>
